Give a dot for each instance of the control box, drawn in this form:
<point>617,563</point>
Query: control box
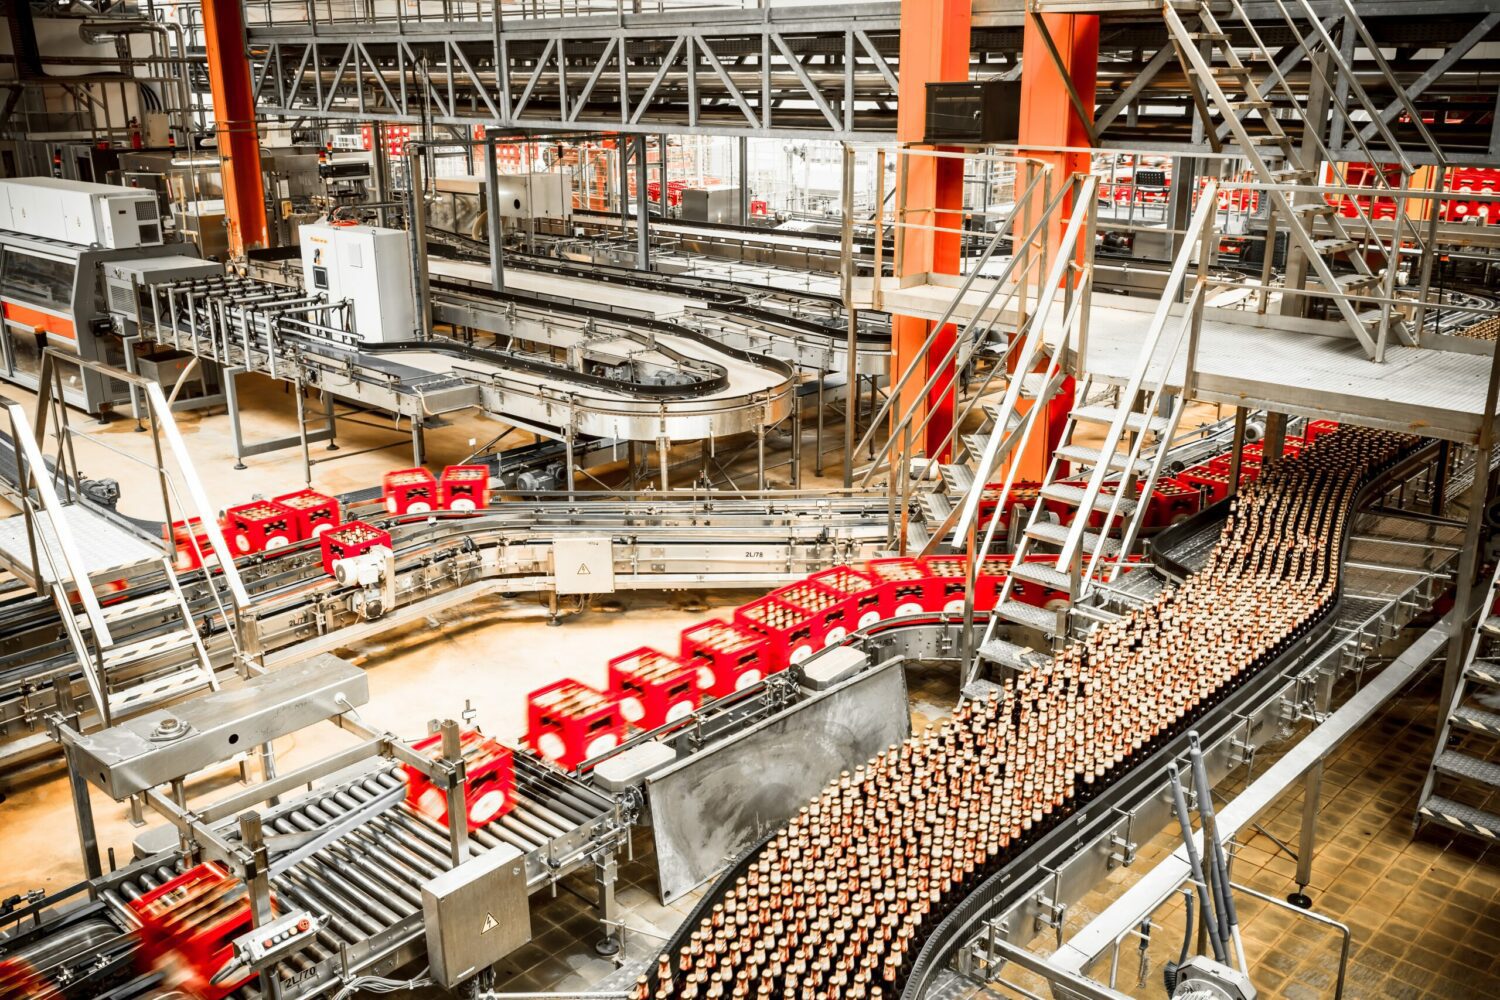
<point>371,268</point>
<point>81,213</point>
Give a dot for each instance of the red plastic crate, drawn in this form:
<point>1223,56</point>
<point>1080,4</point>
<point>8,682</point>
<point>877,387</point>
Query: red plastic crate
<point>952,578</point>
<point>906,587</point>
<point>191,541</point>
<point>1025,494</point>
<point>316,512</point>
<point>409,491</point>
<point>569,722</point>
<point>1206,477</point>
<point>653,688</point>
<point>792,634</point>
<point>859,587</point>
<point>464,487</point>
<point>350,540</point>
<point>1172,501</point>
<point>489,780</point>
<point>260,525</point>
<point>727,657</point>
<point>174,931</point>
<point>831,611</point>
<point>1317,428</point>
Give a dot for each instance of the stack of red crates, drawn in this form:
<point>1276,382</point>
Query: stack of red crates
<point>905,586</point>
<point>653,688</point>
<point>952,578</point>
<point>489,780</point>
<point>464,488</point>
<point>830,612</point>
<point>570,722</point>
<point>1317,428</point>
<point>859,587</point>
<point>349,540</point>
<point>316,512</point>
<point>261,525</point>
<point>727,656</point>
<point>409,491</point>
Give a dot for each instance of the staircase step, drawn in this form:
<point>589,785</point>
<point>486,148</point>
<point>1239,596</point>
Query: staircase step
<point>975,443</point>
<point>147,649</point>
<point>1101,414</point>
<point>1333,245</point>
<point>1458,816</point>
<point>1476,720</point>
<point>958,479</point>
<point>993,412</point>
<point>140,607</point>
<point>1013,655</point>
<point>154,692</point>
<point>1057,534</point>
<point>1484,672</point>
<point>1290,175</point>
<point>935,507</point>
<point>1208,36</point>
<point>1093,456</point>
<point>1029,615</point>
<point>1044,573</point>
<point>1491,625</point>
<point>1461,765</point>
<point>1073,497</point>
<point>1314,209</point>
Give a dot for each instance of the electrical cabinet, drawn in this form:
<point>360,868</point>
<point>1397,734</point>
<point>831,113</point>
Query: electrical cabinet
<point>371,268</point>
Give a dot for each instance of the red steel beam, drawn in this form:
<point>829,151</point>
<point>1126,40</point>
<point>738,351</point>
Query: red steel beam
<point>234,114</point>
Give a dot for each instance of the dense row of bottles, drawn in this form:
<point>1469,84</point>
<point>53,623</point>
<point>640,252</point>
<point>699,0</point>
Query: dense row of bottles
<point>839,901</point>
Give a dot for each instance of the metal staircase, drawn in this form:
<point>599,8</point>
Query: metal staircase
<point>1469,769</point>
<point>1237,75</point>
<point>140,649</point>
<point>1073,557</point>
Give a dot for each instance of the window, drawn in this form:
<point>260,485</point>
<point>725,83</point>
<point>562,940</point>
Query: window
<point>39,281</point>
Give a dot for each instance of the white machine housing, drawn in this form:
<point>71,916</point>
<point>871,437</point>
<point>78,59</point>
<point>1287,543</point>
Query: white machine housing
<point>369,266</point>
<point>81,213</point>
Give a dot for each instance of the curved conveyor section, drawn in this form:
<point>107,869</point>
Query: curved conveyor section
<point>868,883</point>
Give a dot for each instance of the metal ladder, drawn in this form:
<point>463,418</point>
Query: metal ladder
<point>1120,477</point>
<point>1039,355</point>
<point>1233,88</point>
<point>142,671</point>
<point>1480,728</point>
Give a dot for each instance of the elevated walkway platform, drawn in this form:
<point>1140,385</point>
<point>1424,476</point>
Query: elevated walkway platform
<point>1310,368</point>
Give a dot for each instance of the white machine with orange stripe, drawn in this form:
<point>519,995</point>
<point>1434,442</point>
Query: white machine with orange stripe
<point>54,238</point>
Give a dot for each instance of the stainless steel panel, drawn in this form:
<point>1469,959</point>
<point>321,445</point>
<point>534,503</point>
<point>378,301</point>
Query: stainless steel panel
<point>169,743</point>
<point>475,915</point>
<point>714,805</point>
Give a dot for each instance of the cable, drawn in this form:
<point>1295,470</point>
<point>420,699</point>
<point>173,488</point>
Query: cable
<point>380,984</point>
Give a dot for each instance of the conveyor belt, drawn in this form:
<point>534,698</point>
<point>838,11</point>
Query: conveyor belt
<point>846,898</point>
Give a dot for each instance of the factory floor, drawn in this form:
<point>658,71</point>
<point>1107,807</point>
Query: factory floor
<point>1422,911</point>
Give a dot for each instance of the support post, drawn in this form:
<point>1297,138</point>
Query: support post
<point>744,178</point>
<point>1311,792</point>
<point>234,116</point>
<point>661,176</point>
<point>492,212</point>
<point>458,815</point>
<point>83,813</point>
<point>642,221</point>
<point>417,220</point>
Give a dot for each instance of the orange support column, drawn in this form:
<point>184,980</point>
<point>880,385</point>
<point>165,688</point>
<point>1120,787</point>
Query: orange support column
<point>234,116</point>
<point>934,48</point>
<point>1049,121</point>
